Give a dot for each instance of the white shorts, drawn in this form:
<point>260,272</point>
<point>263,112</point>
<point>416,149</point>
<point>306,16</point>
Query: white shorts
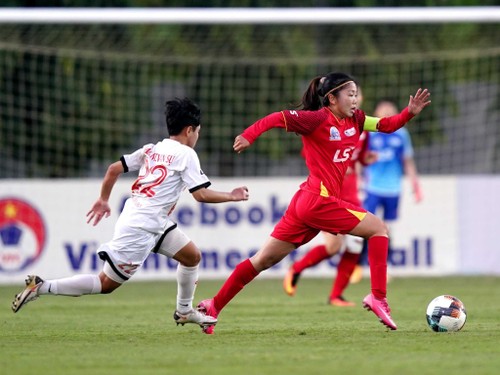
<point>352,243</point>
<point>130,247</point>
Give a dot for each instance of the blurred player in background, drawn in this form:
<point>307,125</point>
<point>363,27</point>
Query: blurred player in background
<point>350,246</point>
<point>383,179</point>
<point>330,125</point>
<point>144,226</point>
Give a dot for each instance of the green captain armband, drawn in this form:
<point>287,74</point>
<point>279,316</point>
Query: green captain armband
<point>371,123</point>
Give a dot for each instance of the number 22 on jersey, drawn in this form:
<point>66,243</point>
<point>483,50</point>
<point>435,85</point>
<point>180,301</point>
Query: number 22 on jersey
<point>145,183</point>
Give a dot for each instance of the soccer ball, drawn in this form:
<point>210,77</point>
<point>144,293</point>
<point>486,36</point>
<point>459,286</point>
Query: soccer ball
<point>446,314</point>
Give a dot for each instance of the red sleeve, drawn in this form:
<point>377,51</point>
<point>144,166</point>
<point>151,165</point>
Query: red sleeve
<point>392,123</point>
<point>274,120</point>
<point>300,122</point>
<point>304,122</point>
<point>363,147</point>
<point>359,117</point>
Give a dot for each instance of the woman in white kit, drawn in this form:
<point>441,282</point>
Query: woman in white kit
<point>165,170</point>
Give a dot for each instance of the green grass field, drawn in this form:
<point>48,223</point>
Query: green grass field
<point>262,331</point>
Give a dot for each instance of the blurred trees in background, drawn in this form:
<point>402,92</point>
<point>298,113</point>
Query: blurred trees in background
<point>77,96</point>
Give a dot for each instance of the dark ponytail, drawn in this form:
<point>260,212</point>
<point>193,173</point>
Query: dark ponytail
<point>311,100</point>
<point>316,95</point>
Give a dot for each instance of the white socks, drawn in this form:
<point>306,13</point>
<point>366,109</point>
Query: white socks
<point>187,278</point>
<point>78,285</point>
<point>75,286</point>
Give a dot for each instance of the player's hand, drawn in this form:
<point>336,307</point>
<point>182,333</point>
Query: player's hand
<point>240,194</point>
<point>370,157</point>
<point>419,101</point>
<point>240,144</point>
<point>99,210</point>
<point>417,192</point>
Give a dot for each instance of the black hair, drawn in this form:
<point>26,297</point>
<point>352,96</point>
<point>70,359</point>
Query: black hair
<point>316,96</point>
<point>180,113</point>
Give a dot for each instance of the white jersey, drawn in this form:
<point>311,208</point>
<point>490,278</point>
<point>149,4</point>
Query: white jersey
<point>165,170</point>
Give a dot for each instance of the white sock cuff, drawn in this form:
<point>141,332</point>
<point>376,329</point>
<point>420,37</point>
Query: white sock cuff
<point>97,287</point>
<point>187,270</point>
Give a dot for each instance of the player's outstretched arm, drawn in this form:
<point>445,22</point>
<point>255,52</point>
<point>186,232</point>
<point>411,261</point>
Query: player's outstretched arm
<point>240,144</point>
<point>250,134</point>
<point>392,123</point>
<point>418,102</point>
<point>211,196</point>
<point>101,207</point>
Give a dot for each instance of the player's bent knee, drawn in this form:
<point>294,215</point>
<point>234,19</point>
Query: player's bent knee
<point>191,259</point>
<point>194,259</point>
<point>110,280</point>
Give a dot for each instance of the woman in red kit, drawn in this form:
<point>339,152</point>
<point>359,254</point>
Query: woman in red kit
<point>350,246</point>
<point>330,130</point>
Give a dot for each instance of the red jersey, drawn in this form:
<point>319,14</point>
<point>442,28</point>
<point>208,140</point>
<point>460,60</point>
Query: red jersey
<point>349,190</point>
<point>328,144</point>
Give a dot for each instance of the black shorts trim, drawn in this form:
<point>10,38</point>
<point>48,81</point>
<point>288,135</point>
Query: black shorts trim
<point>104,256</point>
<point>160,241</point>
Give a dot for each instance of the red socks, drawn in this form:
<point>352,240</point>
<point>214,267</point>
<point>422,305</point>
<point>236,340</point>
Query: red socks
<point>378,248</point>
<point>377,256</point>
<point>312,257</point>
<point>241,276</point>
<point>346,266</point>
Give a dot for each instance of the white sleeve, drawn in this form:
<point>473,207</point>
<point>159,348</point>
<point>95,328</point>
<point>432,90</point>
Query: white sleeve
<point>134,161</point>
<point>193,175</point>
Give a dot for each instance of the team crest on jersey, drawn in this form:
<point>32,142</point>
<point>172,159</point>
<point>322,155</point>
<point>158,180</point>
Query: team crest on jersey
<point>334,134</point>
<point>350,132</point>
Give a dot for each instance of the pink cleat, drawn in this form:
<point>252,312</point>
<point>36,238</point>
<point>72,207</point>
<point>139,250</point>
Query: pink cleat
<point>207,307</point>
<point>381,309</point>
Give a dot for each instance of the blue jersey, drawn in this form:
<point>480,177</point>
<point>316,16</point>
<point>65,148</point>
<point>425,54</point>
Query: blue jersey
<point>384,177</point>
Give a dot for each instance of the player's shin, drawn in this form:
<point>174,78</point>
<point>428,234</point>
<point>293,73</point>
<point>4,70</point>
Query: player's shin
<point>241,276</point>
<point>187,278</point>
<point>73,286</point>
<point>377,257</point>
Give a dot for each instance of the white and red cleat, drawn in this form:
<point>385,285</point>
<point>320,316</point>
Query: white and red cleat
<point>196,317</point>
<point>29,293</point>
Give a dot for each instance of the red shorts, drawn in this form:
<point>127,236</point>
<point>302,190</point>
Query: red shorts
<point>309,213</point>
